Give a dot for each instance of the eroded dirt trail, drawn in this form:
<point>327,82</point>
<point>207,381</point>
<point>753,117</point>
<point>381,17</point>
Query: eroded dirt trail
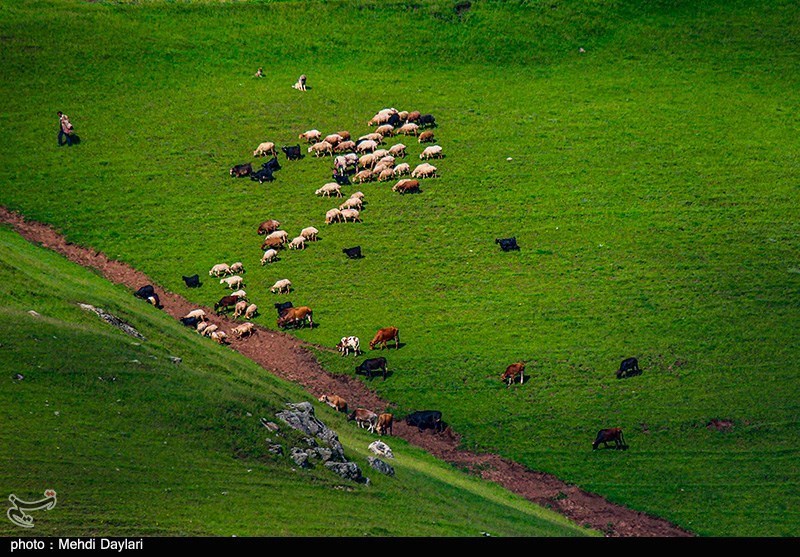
<point>289,358</point>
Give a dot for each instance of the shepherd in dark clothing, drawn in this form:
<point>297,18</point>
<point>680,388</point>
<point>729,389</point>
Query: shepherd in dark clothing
<point>65,129</point>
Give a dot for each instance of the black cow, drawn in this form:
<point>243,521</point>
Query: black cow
<point>272,164</point>
<point>192,281</point>
<point>426,120</point>
<point>425,419</point>
<point>507,244</point>
<point>292,152</point>
<point>262,175</point>
<point>353,253</point>
<point>628,367</point>
<point>371,365</point>
<point>394,120</point>
<point>145,292</point>
<point>190,321</point>
<point>341,179</point>
<point>241,170</point>
<point>282,307</point>
<point>606,436</point>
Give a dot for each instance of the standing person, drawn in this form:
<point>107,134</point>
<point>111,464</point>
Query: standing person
<point>65,129</point>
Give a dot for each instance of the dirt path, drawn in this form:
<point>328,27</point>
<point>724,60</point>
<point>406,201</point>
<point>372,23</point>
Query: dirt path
<point>289,358</point>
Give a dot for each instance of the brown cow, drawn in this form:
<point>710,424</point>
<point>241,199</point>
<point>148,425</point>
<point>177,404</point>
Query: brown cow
<point>606,436</point>
<point>364,418</point>
<point>385,335</point>
<point>274,243</point>
<point>268,226</point>
<point>385,424</point>
<point>296,316</point>
<point>334,401</point>
<point>512,371</point>
<point>225,303</point>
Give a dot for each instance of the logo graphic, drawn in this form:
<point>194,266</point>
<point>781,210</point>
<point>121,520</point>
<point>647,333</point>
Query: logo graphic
<point>17,515</point>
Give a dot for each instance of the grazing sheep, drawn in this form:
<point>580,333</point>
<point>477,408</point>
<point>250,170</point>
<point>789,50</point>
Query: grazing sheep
<point>334,215</point>
<point>380,167</point>
<point>251,311</point>
<point>351,215</point>
<point>334,139</point>
<point>237,267</point>
<point>281,286</point>
<point>331,188</point>
<point>273,243</point>
<point>385,130</point>
<point>424,170</point>
<point>408,129</point>
<point>245,329</point>
<point>363,176</point>
<point>309,233</point>
<point>358,194</point>
<point>351,203</point>
<point>312,136</point>
<point>345,146</point>
<point>398,150</point>
<point>197,314</point>
<point>269,256</point>
<point>344,134</point>
<point>219,337</point>
<point>281,235</point>
<point>403,115</point>
<point>241,294</point>
<point>321,149</point>
<point>426,137</point>
<point>268,226</point>
<point>386,175</point>
<point>266,148</point>
<point>239,309</point>
<point>233,282</point>
<point>219,269</point>
<point>202,326</point>
<point>301,83</point>
<point>431,152</point>
<point>367,161</point>
<point>413,116</point>
<point>206,332</point>
<point>366,146</point>
<point>403,168</point>
<point>297,243</point>
<point>406,186</point>
<point>389,159</point>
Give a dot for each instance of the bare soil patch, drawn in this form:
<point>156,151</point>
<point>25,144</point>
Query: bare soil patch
<point>291,359</point>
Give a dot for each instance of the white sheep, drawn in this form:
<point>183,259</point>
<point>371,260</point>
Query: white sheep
<point>297,243</point>
<point>237,267</point>
<point>380,167</point>
<point>321,148</point>
<point>351,203</point>
<point>334,139</point>
<point>219,337</point>
<point>201,326</point>
<point>380,153</point>
<point>206,332</point>
<point>219,269</point>
<point>268,147</point>
<point>363,176</point>
<point>424,170</point>
<point>331,188</point>
<point>367,161</point>
<point>197,314</point>
<point>385,130</point>
<point>333,215</point>
<point>301,83</point>
<point>251,311</point>
<point>309,233</point>
<point>283,285</point>
<point>312,136</point>
<point>408,128</point>
<point>386,174</point>
<point>351,215</point>
<point>281,235</point>
<point>241,294</point>
<point>269,256</point>
<point>398,150</point>
<point>245,329</point>
<point>366,146</point>
<point>431,152</point>
<point>233,282</point>
<point>358,194</point>
<point>240,308</point>
<point>401,169</point>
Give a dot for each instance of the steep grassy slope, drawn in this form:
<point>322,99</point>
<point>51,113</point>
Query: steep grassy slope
<point>135,444</point>
<point>652,188</point>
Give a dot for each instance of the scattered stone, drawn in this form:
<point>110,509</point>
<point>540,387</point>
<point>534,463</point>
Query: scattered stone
<point>301,417</point>
<point>323,453</point>
<point>381,448</point>
<point>113,320</point>
<point>272,426</point>
<point>33,313</point>
<point>275,448</point>
<point>19,377</point>
<point>380,466</point>
<point>300,457</point>
<point>348,471</point>
<point>310,442</point>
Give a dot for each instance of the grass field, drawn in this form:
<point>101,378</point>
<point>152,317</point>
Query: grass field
<point>135,444</point>
<point>652,188</point>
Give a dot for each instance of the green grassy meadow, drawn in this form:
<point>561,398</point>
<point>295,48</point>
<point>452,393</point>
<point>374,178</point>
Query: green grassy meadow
<point>134,444</point>
<point>652,188</point>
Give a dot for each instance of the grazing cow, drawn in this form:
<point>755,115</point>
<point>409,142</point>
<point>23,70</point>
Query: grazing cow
<point>145,292</point>
<point>190,321</point>
<point>385,335</point>
<point>426,419</point>
<point>367,367</point>
<point>385,422</point>
<point>353,253</point>
<point>296,317</point>
<point>241,170</point>
<point>364,418</point>
<point>292,152</point>
<point>427,120</point>
<point>606,436</point>
<point>282,307</point>
<point>225,303</point>
<point>406,186</point>
<point>349,344</point>
<point>512,371</point>
<point>262,175</point>
<point>272,243</point>
<point>272,164</point>
<point>628,367</point>
<point>334,401</point>
<point>268,226</point>
<point>192,281</point>
<point>507,244</point>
